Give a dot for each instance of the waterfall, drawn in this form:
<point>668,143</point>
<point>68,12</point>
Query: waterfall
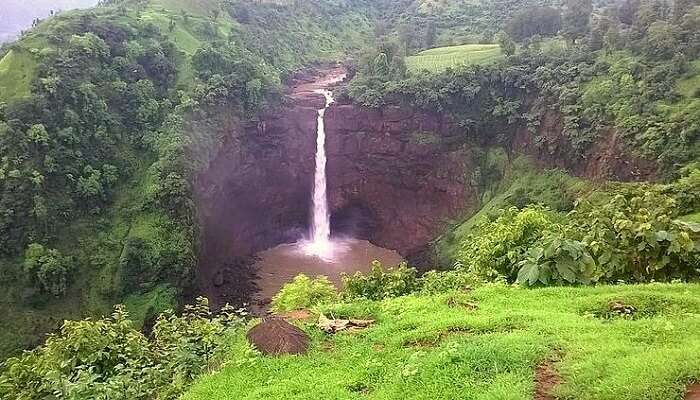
<point>321,224</point>
<point>320,243</point>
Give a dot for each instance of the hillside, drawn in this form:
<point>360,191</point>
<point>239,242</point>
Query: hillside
<point>490,343</point>
<point>536,163</point>
<point>130,126</point>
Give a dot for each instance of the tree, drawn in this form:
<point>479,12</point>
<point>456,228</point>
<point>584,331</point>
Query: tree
<point>507,44</point>
<point>406,35</point>
<point>682,7</point>
<point>661,41</point>
<point>577,18</point>
<point>628,11</point>
<point>543,21</point>
<point>47,268</point>
<point>430,35</point>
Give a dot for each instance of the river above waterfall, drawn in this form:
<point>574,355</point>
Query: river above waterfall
<point>276,266</point>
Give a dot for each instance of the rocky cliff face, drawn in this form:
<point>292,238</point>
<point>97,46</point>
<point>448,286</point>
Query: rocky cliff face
<point>607,159</point>
<point>254,194</point>
<point>405,170</point>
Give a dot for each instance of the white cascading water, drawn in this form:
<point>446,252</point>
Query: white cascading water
<point>320,243</point>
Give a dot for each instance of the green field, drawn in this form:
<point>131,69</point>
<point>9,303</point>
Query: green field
<point>485,344</point>
<point>16,72</point>
<point>441,58</point>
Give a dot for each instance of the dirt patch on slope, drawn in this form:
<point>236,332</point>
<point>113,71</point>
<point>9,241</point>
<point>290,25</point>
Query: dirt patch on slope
<point>546,378</point>
<point>693,392</point>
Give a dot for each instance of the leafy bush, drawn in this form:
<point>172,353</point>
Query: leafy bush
<point>498,246</point>
<point>634,235</point>
<point>379,284</point>
<point>304,292</point>
<point>47,268</point>
<point>109,359</point>
<point>557,260</point>
<point>436,282</point>
<point>627,232</point>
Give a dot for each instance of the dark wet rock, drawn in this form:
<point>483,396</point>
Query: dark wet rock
<point>275,336</point>
<point>219,279</point>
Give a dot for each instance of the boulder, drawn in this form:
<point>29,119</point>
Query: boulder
<point>275,336</point>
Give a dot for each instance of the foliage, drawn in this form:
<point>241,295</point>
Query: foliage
<point>577,18</point>
<point>289,36</point>
<point>542,21</point>
<point>498,246</point>
<point>485,344</point>
<point>557,260</point>
<point>108,359</point>
<point>629,233</point>
<point>302,293</point>
<point>403,280</point>
<point>635,235</point>
<point>437,282</point>
<point>48,268</point>
<point>415,22</point>
<point>379,284</point>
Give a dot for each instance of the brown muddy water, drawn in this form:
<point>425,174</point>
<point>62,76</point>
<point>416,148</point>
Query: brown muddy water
<point>279,265</point>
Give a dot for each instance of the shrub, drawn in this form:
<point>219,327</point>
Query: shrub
<point>435,282</point>
<point>47,268</point>
<point>109,359</point>
<point>379,284</point>
<point>304,292</point>
<point>635,236</point>
<point>498,246</point>
<point>557,259</point>
<point>625,233</point>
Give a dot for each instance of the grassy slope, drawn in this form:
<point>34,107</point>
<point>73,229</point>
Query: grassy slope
<point>441,58</point>
<point>441,347</point>
<point>520,178</point>
<point>16,73</point>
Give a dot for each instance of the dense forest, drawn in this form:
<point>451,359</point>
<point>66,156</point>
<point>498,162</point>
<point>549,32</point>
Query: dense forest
<point>108,114</point>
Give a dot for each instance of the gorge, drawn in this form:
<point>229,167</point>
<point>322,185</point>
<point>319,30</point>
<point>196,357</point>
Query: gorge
<point>397,177</point>
<point>176,174</point>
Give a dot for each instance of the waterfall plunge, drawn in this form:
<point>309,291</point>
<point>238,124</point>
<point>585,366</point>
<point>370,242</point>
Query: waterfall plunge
<point>320,243</point>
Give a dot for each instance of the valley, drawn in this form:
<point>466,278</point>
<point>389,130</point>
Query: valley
<point>400,198</point>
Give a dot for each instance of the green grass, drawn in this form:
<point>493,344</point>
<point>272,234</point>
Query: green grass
<point>201,8</point>
<point>181,34</point>
<point>441,58</point>
<point>433,348</point>
<point>16,74</point>
<point>695,217</point>
<point>145,305</point>
<point>689,85</point>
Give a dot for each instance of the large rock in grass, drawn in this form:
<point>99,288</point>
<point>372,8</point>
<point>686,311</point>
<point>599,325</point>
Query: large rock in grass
<point>274,336</point>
